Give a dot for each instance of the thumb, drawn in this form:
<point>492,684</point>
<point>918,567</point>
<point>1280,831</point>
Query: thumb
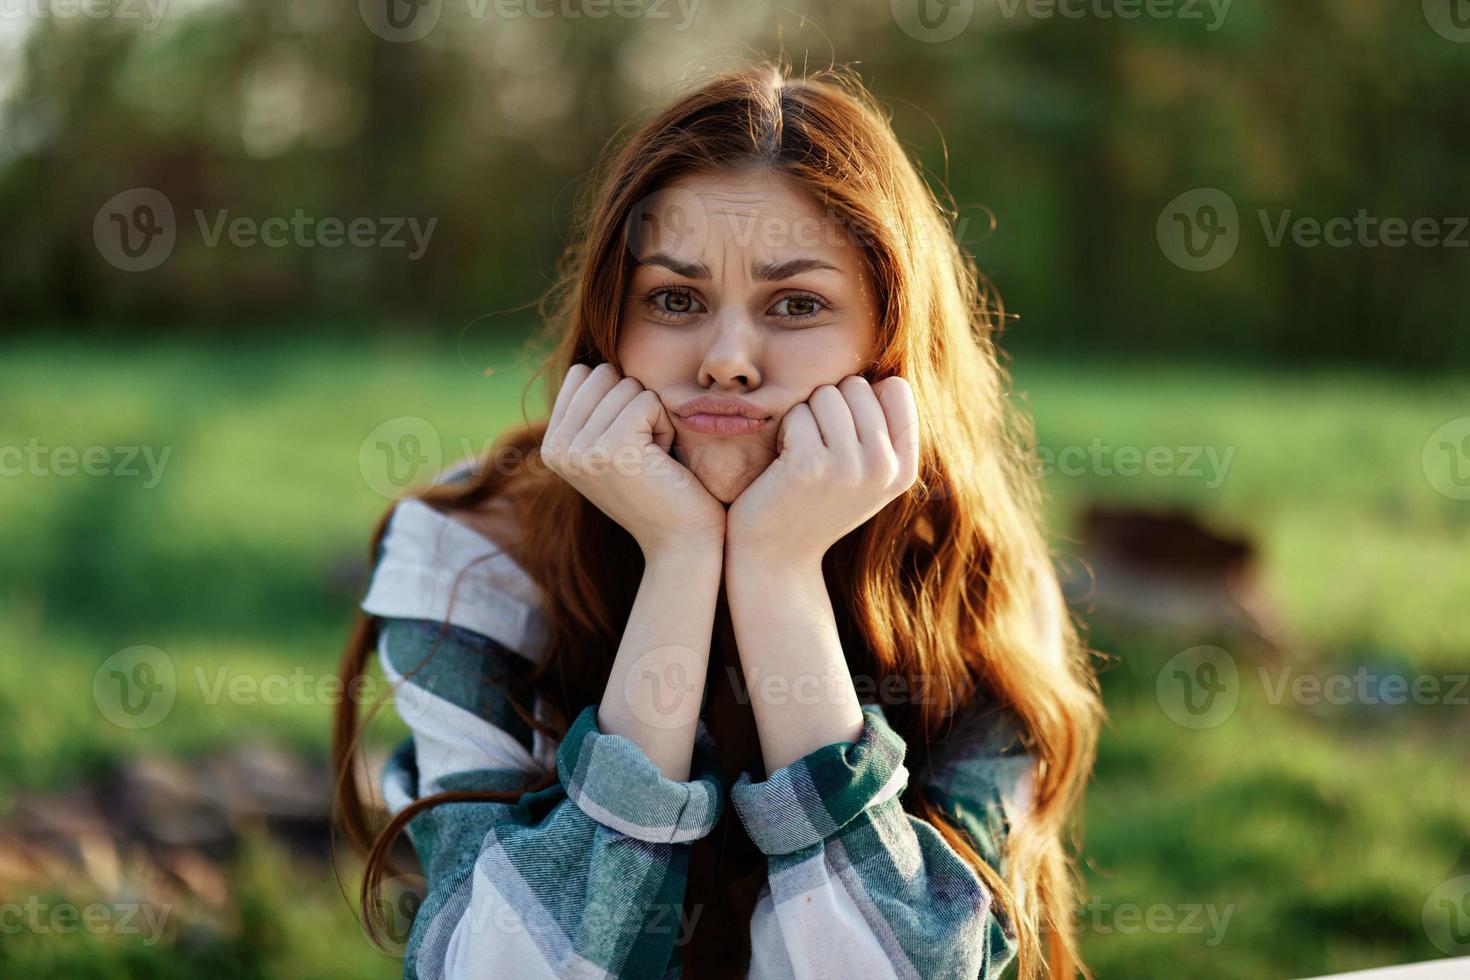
<point>662,428</point>
<point>651,419</point>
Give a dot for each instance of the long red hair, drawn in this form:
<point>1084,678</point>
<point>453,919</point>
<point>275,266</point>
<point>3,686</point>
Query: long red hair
<point>949,587</point>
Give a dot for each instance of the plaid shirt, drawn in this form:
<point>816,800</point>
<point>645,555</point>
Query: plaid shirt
<point>586,877</point>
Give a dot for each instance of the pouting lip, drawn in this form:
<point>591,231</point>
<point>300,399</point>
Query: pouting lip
<point>709,405</point>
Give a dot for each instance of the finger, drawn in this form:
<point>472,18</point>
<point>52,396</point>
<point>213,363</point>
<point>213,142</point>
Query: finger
<point>896,396</point>
<point>607,411</point>
<point>644,415</point>
<point>570,382</point>
<point>798,431</point>
<point>867,413</point>
<point>834,418</point>
<point>585,401</point>
<point>663,428</point>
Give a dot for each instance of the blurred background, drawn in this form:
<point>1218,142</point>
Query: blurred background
<point>266,266</point>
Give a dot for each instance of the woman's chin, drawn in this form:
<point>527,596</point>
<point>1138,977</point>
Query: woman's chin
<point>724,475</point>
<point>724,485</point>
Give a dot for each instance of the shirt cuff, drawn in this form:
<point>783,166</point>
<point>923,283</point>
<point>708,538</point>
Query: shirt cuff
<point>612,780</point>
<point>814,797</point>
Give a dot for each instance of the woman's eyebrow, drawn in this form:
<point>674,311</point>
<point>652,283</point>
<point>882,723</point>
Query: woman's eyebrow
<point>776,271</point>
<point>689,270</point>
<point>768,271</point>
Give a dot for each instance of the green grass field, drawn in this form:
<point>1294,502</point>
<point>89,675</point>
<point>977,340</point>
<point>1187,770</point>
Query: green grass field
<point>1287,841</point>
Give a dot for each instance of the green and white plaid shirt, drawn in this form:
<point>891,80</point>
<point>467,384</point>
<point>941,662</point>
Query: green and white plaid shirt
<point>586,878</point>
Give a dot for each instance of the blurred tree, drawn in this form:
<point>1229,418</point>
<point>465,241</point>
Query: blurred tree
<point>1074,133</point>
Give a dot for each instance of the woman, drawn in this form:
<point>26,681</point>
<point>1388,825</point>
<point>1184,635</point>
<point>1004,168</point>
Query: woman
<point>749,661</point>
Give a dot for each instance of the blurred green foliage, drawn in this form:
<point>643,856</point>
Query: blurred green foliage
<point>1064,142</point>
<point>1072,132</point>
<point>1320,829</point>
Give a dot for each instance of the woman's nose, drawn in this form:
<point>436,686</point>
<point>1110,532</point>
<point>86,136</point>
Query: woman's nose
<point>732,350</point>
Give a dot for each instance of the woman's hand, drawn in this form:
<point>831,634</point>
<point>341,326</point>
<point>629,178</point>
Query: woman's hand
<point>844,453</point>
<point>609,437</point>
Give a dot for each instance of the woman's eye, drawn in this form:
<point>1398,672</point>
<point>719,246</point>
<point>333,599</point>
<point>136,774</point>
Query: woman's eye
<point>799,307</point>
<point>675,302</point>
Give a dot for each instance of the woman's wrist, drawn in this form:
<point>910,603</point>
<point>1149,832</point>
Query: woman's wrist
<point>655,688</point>
<point>684,550</point>
<point>762,561</point>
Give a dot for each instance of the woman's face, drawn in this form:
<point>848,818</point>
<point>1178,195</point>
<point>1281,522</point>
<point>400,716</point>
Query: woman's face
<point>742,288</point>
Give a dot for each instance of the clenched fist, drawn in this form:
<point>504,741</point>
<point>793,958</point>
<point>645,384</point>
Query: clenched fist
<point>609,437</point>
<point>844,453</point>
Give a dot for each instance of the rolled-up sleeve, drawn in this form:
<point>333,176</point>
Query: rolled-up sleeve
<point>583,877</point>
<point>857,886</point>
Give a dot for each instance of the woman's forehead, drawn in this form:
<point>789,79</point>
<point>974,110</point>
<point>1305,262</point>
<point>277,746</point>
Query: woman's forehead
<point>765,215</point>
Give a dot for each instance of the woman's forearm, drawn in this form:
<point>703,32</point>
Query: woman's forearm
<point>800,688</point>
<point>656,686</point>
